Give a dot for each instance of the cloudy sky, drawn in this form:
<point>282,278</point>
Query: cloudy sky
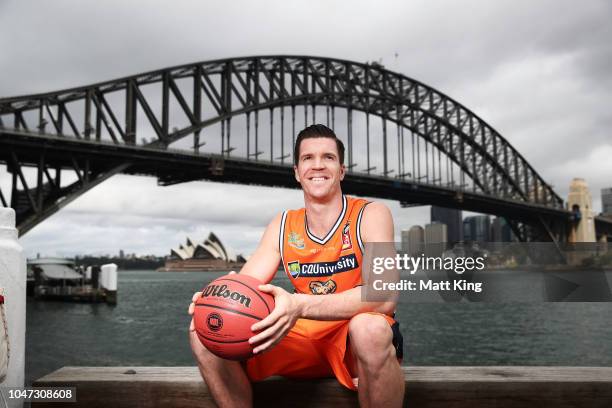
<point>540,72</point>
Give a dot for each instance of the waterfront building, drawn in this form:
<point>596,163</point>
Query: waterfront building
<point>477,228</point>
<point>207,255</point>
<point>436,239</point>
<point>412,240</point>
<point>452,218</point>
<point>606,201</point>
<point>500,230</point>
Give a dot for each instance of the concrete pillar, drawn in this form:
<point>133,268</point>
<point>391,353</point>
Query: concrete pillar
<point>580,198</point>
<point>13,280</point>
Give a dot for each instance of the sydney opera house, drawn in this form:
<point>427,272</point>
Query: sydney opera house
<point>208,255</point>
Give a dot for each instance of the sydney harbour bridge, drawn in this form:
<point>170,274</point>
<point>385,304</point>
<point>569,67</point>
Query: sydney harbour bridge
<point>235,120</point>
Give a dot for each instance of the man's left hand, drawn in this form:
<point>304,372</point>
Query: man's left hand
<point>274,327</point>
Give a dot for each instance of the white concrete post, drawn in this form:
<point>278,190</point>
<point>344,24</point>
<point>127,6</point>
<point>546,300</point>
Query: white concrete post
<point>13,280</point>
<point>109,272</point>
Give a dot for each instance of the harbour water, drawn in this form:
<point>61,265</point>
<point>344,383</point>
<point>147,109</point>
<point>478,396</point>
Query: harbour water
<point>148,327</point>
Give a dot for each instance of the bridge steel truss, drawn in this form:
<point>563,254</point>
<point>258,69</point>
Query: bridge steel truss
<point>96,131</point>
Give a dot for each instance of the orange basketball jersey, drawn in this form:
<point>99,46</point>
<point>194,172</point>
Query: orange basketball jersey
<point>323,265</point>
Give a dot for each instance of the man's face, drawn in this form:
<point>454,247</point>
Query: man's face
<point>319,170</point>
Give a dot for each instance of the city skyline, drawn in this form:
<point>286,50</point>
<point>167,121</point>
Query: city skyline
<point>542,86</point>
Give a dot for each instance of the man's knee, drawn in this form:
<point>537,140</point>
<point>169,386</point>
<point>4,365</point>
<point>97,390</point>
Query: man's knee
<point>371,339</point>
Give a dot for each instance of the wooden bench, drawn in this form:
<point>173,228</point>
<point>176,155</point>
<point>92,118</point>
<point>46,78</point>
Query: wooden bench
<point>425,387</point>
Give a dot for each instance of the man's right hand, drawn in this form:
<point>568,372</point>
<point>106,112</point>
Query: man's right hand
<point>192,308</point>
<point>192,305</point>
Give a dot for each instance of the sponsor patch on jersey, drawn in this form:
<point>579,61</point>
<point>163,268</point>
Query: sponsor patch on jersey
<point>322,288</point>
<point>294,268</point>
<point>346,236</point>
<point>312,270</point>
<point>326,248</point>
<point>295,240</point>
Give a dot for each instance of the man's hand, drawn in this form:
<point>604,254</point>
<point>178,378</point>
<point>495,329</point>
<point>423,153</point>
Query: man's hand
<point>279,322</point>
<point>192,305</point>
<point>192,308</point>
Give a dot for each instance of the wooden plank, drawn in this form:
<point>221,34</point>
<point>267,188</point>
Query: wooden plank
<point>425,387</point>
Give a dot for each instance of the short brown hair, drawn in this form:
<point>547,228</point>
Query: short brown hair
<point>314,131</point>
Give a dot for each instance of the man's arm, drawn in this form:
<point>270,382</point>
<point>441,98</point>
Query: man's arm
<point>262,265</point>
<point>264,262</point>
<point>376,226</point>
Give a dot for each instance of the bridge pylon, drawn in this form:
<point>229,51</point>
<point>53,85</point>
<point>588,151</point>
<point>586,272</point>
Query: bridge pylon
<point>579,201</point>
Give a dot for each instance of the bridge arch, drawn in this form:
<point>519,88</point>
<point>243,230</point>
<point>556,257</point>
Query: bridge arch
<point>115,110</point>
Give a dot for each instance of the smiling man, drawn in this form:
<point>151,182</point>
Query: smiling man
<point>324,328</point>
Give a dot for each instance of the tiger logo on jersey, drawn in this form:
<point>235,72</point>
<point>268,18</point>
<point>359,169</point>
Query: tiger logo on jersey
<point>322,288</point>
<point>346,237</point>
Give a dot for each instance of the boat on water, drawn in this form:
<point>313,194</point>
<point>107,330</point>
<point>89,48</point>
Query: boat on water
<point>61,279</point>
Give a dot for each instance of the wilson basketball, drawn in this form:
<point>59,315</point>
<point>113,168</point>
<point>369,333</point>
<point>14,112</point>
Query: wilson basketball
<point>225,312</point>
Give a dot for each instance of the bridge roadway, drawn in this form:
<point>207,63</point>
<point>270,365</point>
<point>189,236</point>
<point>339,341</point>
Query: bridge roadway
<point>172,166</point>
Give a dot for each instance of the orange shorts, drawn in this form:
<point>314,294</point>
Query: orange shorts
<point>311,349</point>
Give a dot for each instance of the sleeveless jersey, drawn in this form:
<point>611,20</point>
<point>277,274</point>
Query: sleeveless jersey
<point>321,266</point>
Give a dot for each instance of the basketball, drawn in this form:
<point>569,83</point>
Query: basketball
<point>225,312</point>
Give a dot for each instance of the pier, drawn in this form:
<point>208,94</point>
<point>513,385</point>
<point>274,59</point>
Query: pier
<point>457,387</point>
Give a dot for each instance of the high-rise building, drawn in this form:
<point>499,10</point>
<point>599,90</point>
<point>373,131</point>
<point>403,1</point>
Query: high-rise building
<point>606,201</point>
<point>405,240</point>
<point>436,233</point>
<point>452,218</point>
<point>477,228</point>
<point>500,230</point>
<point>436,239</point>
<point>413,240</point>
